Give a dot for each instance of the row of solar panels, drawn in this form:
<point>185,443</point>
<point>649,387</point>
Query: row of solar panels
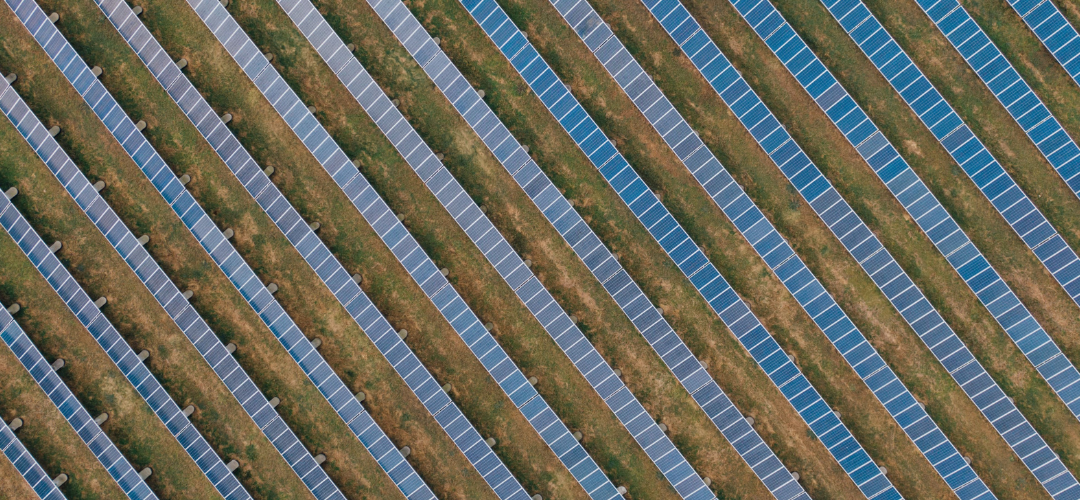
<point>599,259</point>
<point>687,256</point>
<point>27,467</point>
<point>793,273</point>
<point>1060,37</point>
<point>213,241</point>
<point>495,248</point>
<point>129,480</point>
<point>169,296</point>
<point>114,345</point>
<point>985,171</point>
<point>409,367</point>
<point>973,268</point>
<point>424,272</point>
<point>876,261</point>
<point>1029,112</point>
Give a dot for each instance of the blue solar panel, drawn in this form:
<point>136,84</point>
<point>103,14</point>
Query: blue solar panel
<point>14,451</point>
<point>331,271</point>
<point>860,241</point>
<point>72,410</point>
<point>1023,105</point>
<point>194,327</point>
<point>110,341</point>
<point>680,248</point>
<point>495,247</point>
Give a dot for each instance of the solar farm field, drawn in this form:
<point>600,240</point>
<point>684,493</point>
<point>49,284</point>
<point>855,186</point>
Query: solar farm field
<point>465,249</point>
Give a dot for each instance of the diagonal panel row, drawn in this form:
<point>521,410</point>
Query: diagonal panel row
<point>26,465</point>
<point>1019,100</point>
<point>1056,34</point>
<point>957,138</point>
<point>260,299</point>
<point>537,299</point>
<point>973,157</point>
<point>763,237</point>
<point>599,259</point>
<point>169,296</point>
<point>405,248</point>
<point>678,245</point>
<point>862,244</point>
<point>72,410</point>
<point>316,254</point>
<point>110,340</point>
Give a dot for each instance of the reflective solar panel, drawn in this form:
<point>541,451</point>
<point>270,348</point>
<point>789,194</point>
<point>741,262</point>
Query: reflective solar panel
<point>1059,37</point>
<point>495,248</point>
<point>859,241</point>
<point>117,348</point>
<point>23,462</point>
<point>73,412</point>
<point>169,296</point>
<point>663,227</point>
<point>1014,93</point>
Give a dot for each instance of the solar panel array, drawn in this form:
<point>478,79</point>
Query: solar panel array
<point>1003,192</point>
<point>109,339</point>
<point>27,466</point>
<point>330,271</point>
<point>855,236</point>
<point>72,410</point>
<point>241,275</point>
<point>604,266</point>
<point>408,252</point>
<point>194,327</point>
<point>537,299</point>
<point>792,271</point>
<point>682,250</point>
<point>1019,100</point>
<point>1059,37</point>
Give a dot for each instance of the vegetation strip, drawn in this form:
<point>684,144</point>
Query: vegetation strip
<point>108,339</point>
<point>598,258</point>
<point>470,217</point>
<point>20,458</point>
<point>129,480</point>
<point>194,327</point>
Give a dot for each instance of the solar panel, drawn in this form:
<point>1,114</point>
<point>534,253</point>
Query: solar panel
<point>499,253</point>
<point>79,303</point>
<point>328,268</point>
<point>601,262</point>
<point>794,273</point>
<point>675,241</point>
<point>1058,36</point>
<point>169,297</point>
<point>241,275</point>
<point>126,477</point>
<point>14,451</point>
<point>1013,92</point>
<point>408,252</point>
<point>852,232</point>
